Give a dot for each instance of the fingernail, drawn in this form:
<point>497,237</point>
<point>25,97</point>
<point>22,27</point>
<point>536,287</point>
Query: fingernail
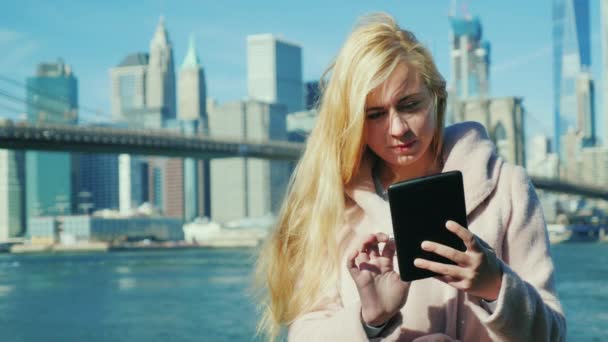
<point>418,262</point>
<point>425,245</point>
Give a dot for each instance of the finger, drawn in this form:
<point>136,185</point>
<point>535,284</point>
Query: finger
<point>447,279</point>
<point>351,263</point>
<point>370,245</point>
<point>447,252</point>
<point>361,258</point>
<point>442,269</point>
<point>464,234</point>
<point>367,242</point>
<point>369,267</point>
<point>389,249</point>
<point>382,237</point>
<point>374,251</point>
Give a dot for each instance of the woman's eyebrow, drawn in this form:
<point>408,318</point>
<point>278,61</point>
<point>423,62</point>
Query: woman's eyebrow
<point>406,97</point>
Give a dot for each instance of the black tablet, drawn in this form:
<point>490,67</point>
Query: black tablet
<point>419,209</point>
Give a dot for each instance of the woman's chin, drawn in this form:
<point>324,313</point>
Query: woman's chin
<point>403,160</point>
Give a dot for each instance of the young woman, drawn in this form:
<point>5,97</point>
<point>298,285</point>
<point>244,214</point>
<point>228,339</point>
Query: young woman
<point>329,268</point>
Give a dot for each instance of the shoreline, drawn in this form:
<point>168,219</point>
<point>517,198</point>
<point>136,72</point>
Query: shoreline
<point>107,248</point>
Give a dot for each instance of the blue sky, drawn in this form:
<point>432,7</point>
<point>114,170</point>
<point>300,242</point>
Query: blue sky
<point>94,36</point>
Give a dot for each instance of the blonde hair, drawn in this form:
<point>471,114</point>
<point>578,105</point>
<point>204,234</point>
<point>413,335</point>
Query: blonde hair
<point>301,258</point>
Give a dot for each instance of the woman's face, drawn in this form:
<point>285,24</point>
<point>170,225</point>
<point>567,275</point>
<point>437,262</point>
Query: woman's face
<point>400,119</point>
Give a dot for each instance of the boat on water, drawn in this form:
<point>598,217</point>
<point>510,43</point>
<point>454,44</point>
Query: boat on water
<point>582,227</point>
<point>584,233</point>
<point>558,233</point>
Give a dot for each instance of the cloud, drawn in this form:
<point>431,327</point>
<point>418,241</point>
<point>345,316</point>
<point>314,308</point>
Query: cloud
<point>522,60</point>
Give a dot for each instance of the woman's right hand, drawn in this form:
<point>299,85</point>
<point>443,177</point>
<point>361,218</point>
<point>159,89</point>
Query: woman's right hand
<point>381,290</point>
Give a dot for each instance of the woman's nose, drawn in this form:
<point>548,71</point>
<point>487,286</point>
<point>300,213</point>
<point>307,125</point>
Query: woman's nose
<point>398,125</point>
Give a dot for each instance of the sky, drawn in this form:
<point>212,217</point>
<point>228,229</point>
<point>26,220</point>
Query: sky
<point>92,37</point>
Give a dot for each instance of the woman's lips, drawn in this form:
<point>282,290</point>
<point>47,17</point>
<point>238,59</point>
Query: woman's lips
<point>405,146</point>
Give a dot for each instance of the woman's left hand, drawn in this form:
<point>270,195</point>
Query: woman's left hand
<point>477,270</point>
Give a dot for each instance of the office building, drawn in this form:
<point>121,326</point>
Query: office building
<point>119,229</point>
<point>12,194</point>
<point>132,183</point>
<point>594,163</point>
<point>585,109</point>
<point>160,81</point>
<point>247,187</point>
<point>542,163</point>
<point>98,185</point>
<point>193,117</point>
<point>52,96</point>
<point>604,46</point>
<point>469,60</point>
<point>128,81</point>
<point>274,71</point>
<point>192,90</point>
<point>571,56</point>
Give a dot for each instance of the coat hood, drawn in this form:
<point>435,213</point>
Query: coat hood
<point>466,148</point>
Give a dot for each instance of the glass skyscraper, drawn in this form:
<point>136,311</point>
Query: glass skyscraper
<point>470,59</point>
<point>571,57</point>
<point>129,85</point>
<point>52,97</point>
<point>99,179</point>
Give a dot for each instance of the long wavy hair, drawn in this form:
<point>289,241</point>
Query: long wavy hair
<point>301,257</point>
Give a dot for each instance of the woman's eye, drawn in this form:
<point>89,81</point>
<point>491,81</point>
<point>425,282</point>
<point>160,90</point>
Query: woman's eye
<point>408,106</point>
<point>374,115</point>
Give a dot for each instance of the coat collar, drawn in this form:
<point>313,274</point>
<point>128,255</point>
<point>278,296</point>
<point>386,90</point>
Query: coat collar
<point>466,148</point>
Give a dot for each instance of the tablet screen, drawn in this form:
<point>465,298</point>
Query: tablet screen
<point>419,210</point>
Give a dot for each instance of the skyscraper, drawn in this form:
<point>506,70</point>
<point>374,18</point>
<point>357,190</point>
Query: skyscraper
<point>129,85</point>
<point>190,177</point>
<point>470,59</point>
<point>186,182</point>
<point>143,97</point>
<point>192,91</point>
<point>247,187</point>
<point>585,110</point>
<point>571,56</point>
<point>604,43</point>
<point>160,82</point>
<point>174,188</point>
<point>12,194</point>
<point>132,182</point>
<point>274,71</point>
<point>542,162</point>
<point>52,96</point>
<point>98,179</point>
<point>117,188</point>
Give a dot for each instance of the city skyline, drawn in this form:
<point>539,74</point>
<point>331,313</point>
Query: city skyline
<point>519,66</point>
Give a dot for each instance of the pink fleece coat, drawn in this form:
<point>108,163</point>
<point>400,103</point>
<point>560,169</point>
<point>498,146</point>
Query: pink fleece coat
<point>503,210</point>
